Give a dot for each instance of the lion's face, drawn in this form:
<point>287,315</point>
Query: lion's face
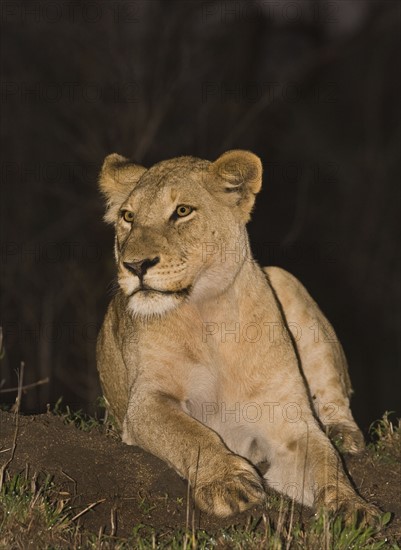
<point>180,226</point>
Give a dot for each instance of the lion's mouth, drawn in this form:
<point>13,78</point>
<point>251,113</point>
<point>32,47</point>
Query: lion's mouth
<point>147,290</point>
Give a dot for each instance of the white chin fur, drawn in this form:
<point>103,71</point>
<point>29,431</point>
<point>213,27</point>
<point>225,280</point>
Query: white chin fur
<point>143,305</point>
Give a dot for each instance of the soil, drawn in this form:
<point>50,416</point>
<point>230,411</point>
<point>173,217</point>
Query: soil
<point>134,487</point>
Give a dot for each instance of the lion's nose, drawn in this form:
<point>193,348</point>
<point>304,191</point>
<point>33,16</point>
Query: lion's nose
<point>140,267</point>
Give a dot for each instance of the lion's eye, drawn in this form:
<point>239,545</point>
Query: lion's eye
<point>183,210</point>
<point>127,216</point>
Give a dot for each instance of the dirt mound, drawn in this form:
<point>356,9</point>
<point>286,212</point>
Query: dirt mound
<point>133,487</point>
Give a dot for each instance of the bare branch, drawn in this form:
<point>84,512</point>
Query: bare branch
<point>28,386</point>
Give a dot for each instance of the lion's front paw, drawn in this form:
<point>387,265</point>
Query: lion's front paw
<point>238,488</point>
<point>350,506</point>
<point>359,512</point>
<point>348,439</point>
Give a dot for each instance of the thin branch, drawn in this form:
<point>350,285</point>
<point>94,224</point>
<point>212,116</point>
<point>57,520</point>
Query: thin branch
<point>113,520</point>
<point>87,509</point>
<point>17,409</point>
<point>2,350</point>
<point>27,387</point>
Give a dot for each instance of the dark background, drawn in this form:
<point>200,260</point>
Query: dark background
<point>311,87</point>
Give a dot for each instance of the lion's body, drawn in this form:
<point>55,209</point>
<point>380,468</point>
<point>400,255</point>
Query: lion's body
<point>206,360</point>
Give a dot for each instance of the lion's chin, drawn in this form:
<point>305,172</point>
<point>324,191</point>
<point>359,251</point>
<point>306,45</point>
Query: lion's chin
<point>152,303</point>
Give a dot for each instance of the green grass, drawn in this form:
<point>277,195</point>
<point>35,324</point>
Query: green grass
<point>35,513</point>
<point>32,512</point>
<point>386,439</point>
<point>84,421</point>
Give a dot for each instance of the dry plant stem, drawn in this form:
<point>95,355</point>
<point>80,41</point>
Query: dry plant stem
<point>113,521</point>
<point>71,479</point>
<point>289,536</point>
<point>87,509</point>
<point>1,343</point>
<point>5,450</point>
<point>27,386</point>
<point>16,411</point>
<point>187,516</point>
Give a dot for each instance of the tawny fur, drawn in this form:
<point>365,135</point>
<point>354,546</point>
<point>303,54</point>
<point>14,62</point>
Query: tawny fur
<point>219,365</point>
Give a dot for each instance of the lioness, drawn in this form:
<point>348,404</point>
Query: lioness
<point>209,361</point>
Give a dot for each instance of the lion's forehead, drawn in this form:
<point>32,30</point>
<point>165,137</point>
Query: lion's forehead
<point>170,183</point>
<point>175,171</point>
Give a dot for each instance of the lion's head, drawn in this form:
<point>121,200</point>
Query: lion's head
<point>179,226</point>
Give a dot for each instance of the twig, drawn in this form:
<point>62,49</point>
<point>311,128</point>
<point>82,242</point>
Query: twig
<point>71,479</point>
<point>28,386</point>
<point>113,520</point>
<point>17,405</point>
<point>2,350</point>
<point>87,509</point>
<point>17,409</point>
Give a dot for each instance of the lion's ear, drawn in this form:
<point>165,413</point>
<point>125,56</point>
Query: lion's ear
<point>117,179</point>
<point>237,176</point>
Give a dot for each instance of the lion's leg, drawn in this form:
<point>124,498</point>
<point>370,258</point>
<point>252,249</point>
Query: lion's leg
<point>322,359</point>
<point>222,483</point>
<point>307,468</point>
